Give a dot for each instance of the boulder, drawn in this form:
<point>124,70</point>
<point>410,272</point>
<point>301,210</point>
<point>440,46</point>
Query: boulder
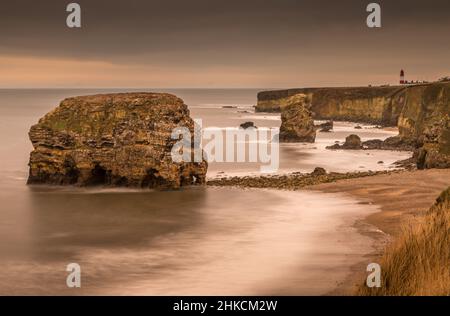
<point>319,171</point>
<point>247,125</point>
<point>352,142</point>
<point>297,124</point>
<point>113,139</point>
<point>325,127</point>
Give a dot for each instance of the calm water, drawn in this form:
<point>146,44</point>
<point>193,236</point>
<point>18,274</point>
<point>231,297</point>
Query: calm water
<point>193,241</point>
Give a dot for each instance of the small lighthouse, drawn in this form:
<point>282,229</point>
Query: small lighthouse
<point>402,77</point>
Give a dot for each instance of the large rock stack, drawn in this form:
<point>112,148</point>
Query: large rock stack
<point>113,139</point>
<point>297,124</point>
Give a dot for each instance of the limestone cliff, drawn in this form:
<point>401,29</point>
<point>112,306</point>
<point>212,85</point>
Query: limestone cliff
<point>377,105</point>
<point>421,113</point>
<point>297,124</point>
<point>425,121</point>
<point>112,139</point>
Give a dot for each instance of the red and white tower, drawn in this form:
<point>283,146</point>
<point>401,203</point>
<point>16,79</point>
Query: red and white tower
<point>402,77</point>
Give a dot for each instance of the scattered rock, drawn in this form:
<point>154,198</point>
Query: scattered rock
<point>325,127</point>
<point>351,142</point>
<point>335,146</point>
<point>229,107</point>
<point>358,127</point>
<point>380,162</point>
<point>318,171</point>
<point>373,144</point>
<point>113,139</point>
<point>293,181</point>
<point>391,143</point>
<point>408,164</point>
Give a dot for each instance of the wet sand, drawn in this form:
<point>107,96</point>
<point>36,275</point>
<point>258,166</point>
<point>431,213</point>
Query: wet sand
<point>401,197</point>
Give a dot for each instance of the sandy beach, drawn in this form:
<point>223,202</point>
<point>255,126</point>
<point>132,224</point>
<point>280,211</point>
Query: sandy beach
<point>401,197</point>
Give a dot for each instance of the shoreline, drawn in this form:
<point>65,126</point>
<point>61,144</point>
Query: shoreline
<point>401,197</point>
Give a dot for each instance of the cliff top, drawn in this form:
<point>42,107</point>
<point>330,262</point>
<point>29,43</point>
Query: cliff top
<point>134,98</point>
<point>348,92</point>
<point>96,114</point>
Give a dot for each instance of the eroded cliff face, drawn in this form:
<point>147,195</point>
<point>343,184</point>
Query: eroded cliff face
<point>113,139</point>
<point>425,121</point>
<point>421,113</point>
<point>377,105</point>
<point>297,124</point>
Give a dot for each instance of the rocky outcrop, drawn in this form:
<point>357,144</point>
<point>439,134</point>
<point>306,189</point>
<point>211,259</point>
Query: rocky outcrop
<point>391,143</point>
<point>297,124</point>
<point>425,121</point>
<point>113,139</point>
<point>292,181</point>
<point>421,113</point>
<point>375,105</point>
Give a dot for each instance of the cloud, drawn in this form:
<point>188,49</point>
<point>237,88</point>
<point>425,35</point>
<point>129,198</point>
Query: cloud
<point>250,40</point>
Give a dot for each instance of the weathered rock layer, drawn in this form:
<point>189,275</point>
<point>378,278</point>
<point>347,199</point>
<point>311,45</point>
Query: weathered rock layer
<point>425,121</point>
<point>113,139</point>
<point>376,105</point>
<point>421,112</point>
<point>297,124</point>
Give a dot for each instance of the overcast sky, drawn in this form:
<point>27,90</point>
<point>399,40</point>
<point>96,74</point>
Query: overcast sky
<point>227,43</point>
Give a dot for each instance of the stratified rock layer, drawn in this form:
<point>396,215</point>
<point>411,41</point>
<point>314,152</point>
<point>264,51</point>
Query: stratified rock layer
<point>297,124</point>
<point>113,139</point>
<point>421,112</point>
<point>376,105</point>
<point>425,121</point>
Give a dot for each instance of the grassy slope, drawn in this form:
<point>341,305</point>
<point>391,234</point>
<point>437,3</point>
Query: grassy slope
<point>418,262</point>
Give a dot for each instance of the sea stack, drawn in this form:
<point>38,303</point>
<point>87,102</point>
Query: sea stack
<point>113,139</point>
<point>297,124</point>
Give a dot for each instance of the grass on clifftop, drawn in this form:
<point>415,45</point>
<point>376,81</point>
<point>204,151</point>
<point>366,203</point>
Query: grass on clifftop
<point>418,262</point>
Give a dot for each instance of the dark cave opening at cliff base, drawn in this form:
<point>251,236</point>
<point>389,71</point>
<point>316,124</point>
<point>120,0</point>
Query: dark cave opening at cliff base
<point>98,176</point>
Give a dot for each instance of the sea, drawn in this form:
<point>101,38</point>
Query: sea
<point>192,241</point>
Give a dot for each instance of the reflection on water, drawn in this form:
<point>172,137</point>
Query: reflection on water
<point>195,241</point>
